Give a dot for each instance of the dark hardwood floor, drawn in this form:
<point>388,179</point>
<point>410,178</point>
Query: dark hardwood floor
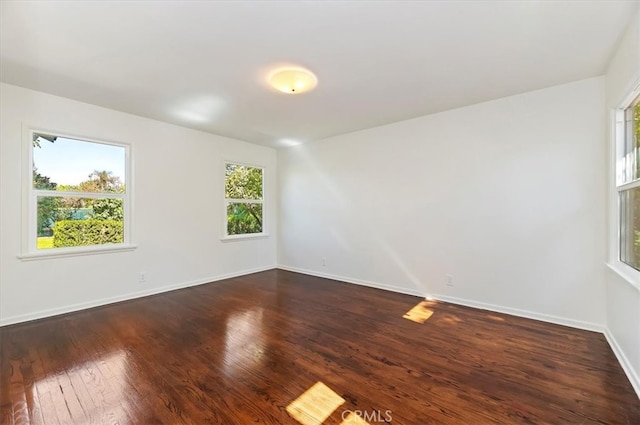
<point>242,350</point>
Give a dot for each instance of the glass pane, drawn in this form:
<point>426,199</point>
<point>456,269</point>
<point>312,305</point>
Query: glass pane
<point>242,182</point>
<point>67,222</point>
<point>75,165</point>
<point>631,154</point>
<point>630,227</point>
<point>244,218</point>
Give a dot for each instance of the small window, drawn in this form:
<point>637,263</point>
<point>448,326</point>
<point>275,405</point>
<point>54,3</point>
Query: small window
<point>243,188</point>
<point>78,194</point>
<point>628,182</point>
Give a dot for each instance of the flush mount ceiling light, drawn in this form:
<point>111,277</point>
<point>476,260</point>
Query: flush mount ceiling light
<point>292,80</point>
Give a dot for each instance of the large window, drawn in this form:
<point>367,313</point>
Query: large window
<point>243,188</point>
<point>628,182</point>
<point>78,196</point>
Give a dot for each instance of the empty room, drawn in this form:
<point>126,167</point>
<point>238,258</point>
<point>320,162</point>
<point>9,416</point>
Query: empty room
<point>320,212</point>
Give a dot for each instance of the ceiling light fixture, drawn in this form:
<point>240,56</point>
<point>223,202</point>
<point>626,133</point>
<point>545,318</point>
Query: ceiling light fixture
<point>292,80</point>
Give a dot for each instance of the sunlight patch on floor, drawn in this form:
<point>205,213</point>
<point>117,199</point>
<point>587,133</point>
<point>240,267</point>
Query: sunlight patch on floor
<point>420,313</point>
<point>315,405</point>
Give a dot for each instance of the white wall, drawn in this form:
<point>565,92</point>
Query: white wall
<point>178,189</point>
<point>623,298</point>
<point>507,196</point>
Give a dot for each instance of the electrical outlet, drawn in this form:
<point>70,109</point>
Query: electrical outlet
<point>324,261</point>
<point>448,279</point>
<point>142,277</point>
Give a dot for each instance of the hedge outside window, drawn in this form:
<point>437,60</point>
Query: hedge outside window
<point>78,192</point>
<point>243,199</point>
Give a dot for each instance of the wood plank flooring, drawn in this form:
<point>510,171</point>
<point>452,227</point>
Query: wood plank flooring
<point>240,351</point>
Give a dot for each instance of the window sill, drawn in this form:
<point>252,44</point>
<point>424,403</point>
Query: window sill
<point>234,238</point>
<point>629,274</point>
<point>75,252</point>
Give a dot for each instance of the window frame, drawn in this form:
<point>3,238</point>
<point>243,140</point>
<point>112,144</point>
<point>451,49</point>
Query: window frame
<point>622,169</point>
<point>30,200</point>
<point>226,237</point>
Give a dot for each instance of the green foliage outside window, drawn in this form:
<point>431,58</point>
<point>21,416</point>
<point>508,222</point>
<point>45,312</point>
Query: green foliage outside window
<point>48,208</point>
<point>107,209</point>
<point>636,209</point>
<point>53,210</point>
<point>242,182</point>
<point>636,121</point>
<point>87,232</point>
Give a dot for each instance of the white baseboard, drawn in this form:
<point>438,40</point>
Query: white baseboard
<point>624,362</point>
<point>125,297</point>
<point>460,301</point>
<point>360,282</point>
<point>557,320</point>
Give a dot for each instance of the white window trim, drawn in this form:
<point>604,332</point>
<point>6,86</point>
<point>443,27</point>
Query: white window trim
<point>30,195</point>
<point>628,273</point>
<point>225,201</point>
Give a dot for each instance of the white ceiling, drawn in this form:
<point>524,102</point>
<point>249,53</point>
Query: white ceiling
<point>203,64</point>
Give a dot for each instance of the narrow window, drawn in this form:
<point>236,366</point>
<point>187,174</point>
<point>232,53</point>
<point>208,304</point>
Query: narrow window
<point>244,202</point>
